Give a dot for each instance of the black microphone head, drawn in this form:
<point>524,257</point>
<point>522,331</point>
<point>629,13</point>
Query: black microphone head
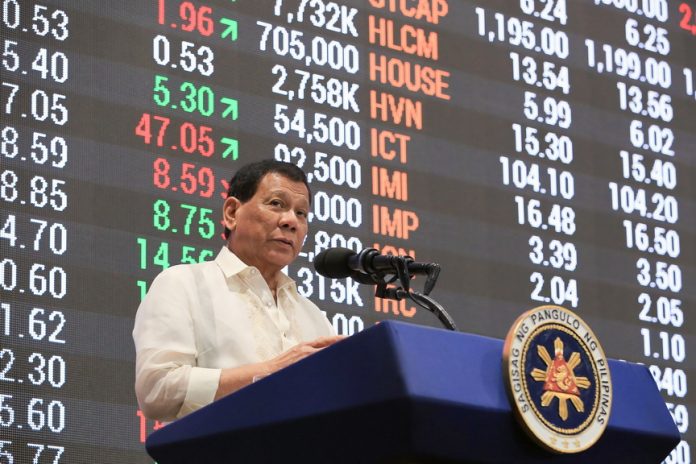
<point>333,263</point>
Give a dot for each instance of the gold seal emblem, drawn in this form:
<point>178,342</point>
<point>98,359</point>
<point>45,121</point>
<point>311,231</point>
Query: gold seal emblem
<point>562,401</point>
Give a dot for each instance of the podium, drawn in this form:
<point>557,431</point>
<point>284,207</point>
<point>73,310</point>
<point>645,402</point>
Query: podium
<point>400,393</point>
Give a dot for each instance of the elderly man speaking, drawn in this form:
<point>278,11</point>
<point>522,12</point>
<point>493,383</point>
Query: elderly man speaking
<point>206,330</point>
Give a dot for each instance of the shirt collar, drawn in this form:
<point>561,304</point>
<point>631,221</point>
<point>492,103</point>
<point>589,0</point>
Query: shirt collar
<point>231,265</point>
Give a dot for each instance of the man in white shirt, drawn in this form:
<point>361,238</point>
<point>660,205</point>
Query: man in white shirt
<point>206,330</point>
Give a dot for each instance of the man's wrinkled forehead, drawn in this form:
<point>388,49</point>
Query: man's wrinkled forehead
<point>285,187</point>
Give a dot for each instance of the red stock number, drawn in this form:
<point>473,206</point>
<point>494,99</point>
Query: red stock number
<point>187,178</point>
<point>190,138</point>
<point>190,18</point>
<point>687,22</point>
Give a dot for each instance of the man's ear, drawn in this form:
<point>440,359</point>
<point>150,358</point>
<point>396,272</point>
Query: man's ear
<point>229,212</point>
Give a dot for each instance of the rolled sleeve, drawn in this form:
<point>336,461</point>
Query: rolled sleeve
<point>168,384</point>
<point>202,386</point>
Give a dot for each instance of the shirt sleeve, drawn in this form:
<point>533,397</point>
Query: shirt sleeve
<point>168,384</point>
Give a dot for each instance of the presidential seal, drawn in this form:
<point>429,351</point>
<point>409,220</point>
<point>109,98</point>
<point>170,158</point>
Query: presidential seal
<point>557,378</point>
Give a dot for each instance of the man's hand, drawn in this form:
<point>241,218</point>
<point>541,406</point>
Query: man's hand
<point>301,351</point>
<point>233,379</point>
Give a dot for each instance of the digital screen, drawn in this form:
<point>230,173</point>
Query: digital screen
<point>541,151</point>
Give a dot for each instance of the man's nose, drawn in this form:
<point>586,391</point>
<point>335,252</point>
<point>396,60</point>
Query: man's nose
<point>288,220</point>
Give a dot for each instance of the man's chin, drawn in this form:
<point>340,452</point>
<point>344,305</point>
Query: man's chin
<point>282,259</point>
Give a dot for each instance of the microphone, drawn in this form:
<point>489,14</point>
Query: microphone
<point>370,267</point>
<point>338,263</point>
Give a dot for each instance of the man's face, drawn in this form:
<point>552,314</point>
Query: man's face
<point>269,229</point>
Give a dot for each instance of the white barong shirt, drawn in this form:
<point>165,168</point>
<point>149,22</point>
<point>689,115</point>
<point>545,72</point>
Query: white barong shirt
<point>198,319</point>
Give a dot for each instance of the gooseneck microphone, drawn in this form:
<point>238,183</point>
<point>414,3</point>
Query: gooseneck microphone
<point>372,268</point>
<point>339,263</point>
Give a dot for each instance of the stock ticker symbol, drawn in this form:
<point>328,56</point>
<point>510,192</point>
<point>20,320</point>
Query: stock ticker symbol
<point>560,381</point>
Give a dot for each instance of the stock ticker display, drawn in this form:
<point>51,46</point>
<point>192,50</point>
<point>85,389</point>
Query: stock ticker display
<point>540,150</point>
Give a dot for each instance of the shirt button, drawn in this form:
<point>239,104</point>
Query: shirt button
<point>269,304</point>
<point>253,272</point>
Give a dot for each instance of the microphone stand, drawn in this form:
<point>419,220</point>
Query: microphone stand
<point>399,293</point>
